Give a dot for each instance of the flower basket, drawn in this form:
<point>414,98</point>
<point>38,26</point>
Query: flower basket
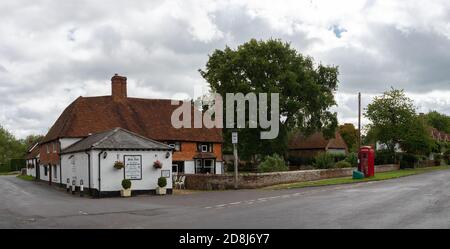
<point>157,164</point>
<point>118,165</point>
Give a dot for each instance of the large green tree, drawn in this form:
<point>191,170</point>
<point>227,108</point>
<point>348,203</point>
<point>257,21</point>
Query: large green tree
<point>438,120</point>
<point>395,122</point>
<point>10,147</point>
<point>350,135</point>
<point>306,89</point>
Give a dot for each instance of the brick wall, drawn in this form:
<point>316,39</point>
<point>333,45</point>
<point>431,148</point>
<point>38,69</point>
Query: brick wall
<point>189,149</point>
<point>51,157</point>
<point>257,180</point>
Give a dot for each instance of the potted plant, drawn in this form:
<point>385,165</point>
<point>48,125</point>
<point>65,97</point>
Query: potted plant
<point>162,183</point>
<point>157,164</point>
<point>118,165</point>
<point>126,185</point>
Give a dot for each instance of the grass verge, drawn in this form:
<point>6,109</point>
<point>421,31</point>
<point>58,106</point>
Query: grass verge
<point>26,178</point>
<point>349,180</point>
<point>9,173</point>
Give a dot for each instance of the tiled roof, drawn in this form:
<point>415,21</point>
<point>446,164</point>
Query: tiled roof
<point>316,141</point>
<point>117,138</point>
<point>33,151</point>
<point>150,118</point>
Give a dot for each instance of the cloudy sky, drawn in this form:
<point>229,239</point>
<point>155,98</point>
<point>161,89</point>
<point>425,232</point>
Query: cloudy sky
<point>51,52</point>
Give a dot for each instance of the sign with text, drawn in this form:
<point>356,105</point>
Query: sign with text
<point>234,137</point>
<point>133,167</point>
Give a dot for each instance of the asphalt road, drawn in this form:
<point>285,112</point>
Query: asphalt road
<point>420,201</point>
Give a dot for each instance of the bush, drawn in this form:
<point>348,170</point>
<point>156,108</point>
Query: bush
<point>408,160</point>
<point>342,164</point>
<point>384,157</point>
<point>438,160</point>
<point>447,157</point>
<point>339,157</point>
<point>301,161</point>
<point>352,159</point>
<point>126,183</point>
<point>273,163</point>
<point>162,182</point>
<point>324,161</point>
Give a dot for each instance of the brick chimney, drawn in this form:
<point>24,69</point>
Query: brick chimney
<point>119,87</point>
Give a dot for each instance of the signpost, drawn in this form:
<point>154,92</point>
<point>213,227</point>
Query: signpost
<point>234,140</point>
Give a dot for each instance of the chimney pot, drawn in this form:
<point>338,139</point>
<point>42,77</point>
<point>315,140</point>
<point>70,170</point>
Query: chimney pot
<point>119,87</point>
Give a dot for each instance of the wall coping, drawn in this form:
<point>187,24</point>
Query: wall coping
<point>286,172</point>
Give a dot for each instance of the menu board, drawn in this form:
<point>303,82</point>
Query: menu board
<point>133,167</point>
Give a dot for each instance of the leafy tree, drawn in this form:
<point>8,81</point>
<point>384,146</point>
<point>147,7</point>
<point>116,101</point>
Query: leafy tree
<point>9,147</point>
<point>272,66</point>
<point>394,121</point>
<point>417,139</point>
<point>390,114</point>
<point>438,120</point>
<point>350,135</point>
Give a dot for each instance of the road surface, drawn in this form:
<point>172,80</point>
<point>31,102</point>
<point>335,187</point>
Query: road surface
<point>419,201</point>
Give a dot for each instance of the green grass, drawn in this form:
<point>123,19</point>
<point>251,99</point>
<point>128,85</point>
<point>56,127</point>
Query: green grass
<point>348,180</point>
<point>26,178</point>
<point>9,173</point>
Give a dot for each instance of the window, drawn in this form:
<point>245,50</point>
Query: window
<point>205,166</point>
<point>45,169</point>
<point>54,147</point>
<point>48,148</point>
<point>178,167</point>
<point>175,145</point>
<point>205,147</point>
<point>55,171</point>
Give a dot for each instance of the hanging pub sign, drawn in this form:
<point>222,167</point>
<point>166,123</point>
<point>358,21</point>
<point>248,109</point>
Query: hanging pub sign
<point>133,167</point>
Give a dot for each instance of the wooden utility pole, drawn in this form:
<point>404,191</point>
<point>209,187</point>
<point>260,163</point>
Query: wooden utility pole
<point>359,121</point>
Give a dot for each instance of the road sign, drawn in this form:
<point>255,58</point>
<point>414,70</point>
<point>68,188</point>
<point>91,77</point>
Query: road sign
<point>234,137</point>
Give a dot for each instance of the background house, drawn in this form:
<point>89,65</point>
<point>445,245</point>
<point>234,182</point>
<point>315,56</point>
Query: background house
<point>32,160</point>
<point>301,146</point>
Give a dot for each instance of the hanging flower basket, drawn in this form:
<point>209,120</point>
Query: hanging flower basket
<point>118,165</point>
<point>157,164</point>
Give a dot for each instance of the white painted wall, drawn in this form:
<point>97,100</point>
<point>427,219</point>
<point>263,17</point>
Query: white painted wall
<point>189,167</point>
<point>111,178</point>
<point>76,168</point>
<point>32,171</point>
<point>42,176</point>
<point>219,168</point>
<point>66,142</point>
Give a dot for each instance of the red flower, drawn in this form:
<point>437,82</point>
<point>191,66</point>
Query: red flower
<point>157,164</point>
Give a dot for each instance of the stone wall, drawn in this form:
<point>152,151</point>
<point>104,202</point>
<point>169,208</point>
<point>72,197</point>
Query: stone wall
<point>257,180</point>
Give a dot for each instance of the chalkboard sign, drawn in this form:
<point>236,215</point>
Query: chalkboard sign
<point>133,167</point>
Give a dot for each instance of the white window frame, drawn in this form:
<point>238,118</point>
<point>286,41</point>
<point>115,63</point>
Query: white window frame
<point>48,148</point>
<point>203,146</point>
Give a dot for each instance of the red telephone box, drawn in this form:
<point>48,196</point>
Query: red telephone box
<point>367,161</point>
